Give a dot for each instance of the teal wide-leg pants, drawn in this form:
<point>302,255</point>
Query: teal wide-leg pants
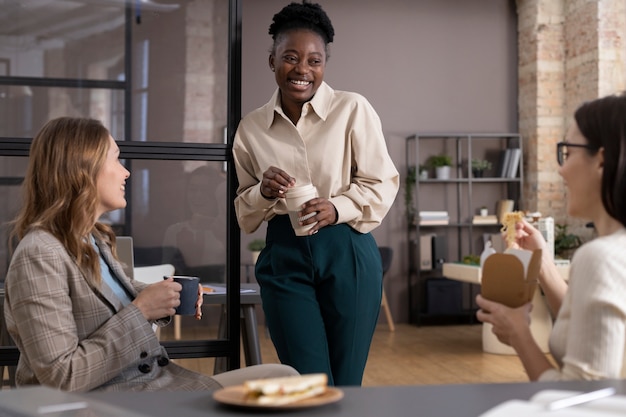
<point>321,297</point>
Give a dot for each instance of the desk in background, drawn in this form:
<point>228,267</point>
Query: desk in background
<point>249,328</point>
<point>541,321</point>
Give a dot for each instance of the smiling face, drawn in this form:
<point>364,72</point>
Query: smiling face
<point>111,181</point>
<point>298,61</point>
<point>582,174</point>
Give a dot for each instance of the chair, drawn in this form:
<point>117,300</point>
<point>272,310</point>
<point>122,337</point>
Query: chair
<point>152,274</point>
<point>386,254</point>
<point>5,340</point>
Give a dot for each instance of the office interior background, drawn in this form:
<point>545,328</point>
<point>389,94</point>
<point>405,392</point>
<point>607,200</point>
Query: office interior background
<point>157,74</point>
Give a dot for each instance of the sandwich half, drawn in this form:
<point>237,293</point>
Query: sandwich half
<point>285,390</point>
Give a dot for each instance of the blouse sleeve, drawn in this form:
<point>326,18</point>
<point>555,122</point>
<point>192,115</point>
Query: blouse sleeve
<point>595,341</point>
<point>375,180</point>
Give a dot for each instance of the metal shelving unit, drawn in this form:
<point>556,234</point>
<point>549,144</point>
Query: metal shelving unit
<point>460,195</point>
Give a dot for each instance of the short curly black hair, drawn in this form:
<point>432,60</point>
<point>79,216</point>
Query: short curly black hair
<point>303,15</point>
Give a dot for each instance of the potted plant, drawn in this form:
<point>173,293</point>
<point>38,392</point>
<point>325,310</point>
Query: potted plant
<point>442,164</point>
<point>423,172</point>
<point>256,246</point>
<point>479,166</point>
<point>409,185</point>
<point>565,244</point>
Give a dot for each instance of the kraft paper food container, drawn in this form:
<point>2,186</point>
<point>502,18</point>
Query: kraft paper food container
<point>510,278</point>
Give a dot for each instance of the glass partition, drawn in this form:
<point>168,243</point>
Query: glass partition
<point>179,217</point>
<point>63,38</point>
<point>24,109</point>
<point>160,77</point>
<point>11,173</point>
<point>173,67</point>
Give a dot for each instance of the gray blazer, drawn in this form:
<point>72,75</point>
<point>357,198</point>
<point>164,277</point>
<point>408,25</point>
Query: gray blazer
<point>77,337</point>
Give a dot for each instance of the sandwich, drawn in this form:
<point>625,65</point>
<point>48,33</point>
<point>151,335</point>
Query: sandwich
<point>285,390</point>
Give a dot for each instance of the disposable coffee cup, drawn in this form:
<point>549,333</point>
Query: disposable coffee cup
<point>295,197</point>
<point>188,295</point>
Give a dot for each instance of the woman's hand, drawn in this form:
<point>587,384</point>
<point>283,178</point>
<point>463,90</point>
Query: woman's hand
<point>159,300</point>
<point>198,315</point>
<point>325,213</point>
<point>509,324</point>
<point>527,237</point>
<point>275,183</point>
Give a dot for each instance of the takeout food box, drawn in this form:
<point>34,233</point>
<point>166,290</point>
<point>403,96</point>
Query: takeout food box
<point>510,278</point>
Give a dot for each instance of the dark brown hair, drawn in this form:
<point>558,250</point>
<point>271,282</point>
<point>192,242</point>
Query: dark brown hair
<point>603,123</point>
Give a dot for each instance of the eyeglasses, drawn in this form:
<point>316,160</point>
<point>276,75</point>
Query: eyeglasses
<point>561,150</point>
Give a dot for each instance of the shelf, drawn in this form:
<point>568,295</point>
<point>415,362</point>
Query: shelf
<point>465,224</point>
<point>461,196</point>
<point>487,180</point>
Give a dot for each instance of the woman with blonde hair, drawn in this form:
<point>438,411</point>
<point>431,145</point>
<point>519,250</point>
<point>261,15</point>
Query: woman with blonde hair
<point>79,322</point>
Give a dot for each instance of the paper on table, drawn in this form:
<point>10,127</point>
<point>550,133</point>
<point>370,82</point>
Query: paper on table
<point>536,406</point>
<point>219,289</point>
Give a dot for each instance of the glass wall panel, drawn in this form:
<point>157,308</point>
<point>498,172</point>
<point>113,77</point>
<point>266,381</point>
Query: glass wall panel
<point>62,38</point>
<point>12,171</point>
<point>178,216</point>
<point>24,109</point>
<point>180,76</point>
<point>167,82</point>
<point>179,59</point>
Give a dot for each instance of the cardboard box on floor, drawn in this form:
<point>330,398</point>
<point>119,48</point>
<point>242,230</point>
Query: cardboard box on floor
<point>510,278</point>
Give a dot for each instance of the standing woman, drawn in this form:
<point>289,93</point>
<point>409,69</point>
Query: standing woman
<point>79,322</point>
<point>588,340</point>
<point>321,292</point>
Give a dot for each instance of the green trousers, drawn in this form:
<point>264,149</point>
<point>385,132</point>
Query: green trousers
<point>321,298</point>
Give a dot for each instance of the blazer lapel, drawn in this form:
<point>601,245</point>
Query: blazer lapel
<point>117,270</point>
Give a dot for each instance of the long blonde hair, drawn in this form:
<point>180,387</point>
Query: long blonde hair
<point>59,189</point>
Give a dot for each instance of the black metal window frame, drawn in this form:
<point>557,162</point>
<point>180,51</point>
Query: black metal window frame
<point>129,150</point>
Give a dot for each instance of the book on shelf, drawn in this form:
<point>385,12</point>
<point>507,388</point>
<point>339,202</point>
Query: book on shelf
<point>513,162</point>
<point>433,214</point>
<point>489,219</point>
<point>509,162</point>
<point>434,222</point>
<point>503,165</point>
<point>426,252</point>
<point>433,218</point>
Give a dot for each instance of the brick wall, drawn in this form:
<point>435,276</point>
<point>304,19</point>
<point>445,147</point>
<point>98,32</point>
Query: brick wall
<point>206,77</point>
<point>569,51</point>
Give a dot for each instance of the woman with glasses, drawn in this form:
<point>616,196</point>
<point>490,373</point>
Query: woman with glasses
<point>588,340</point>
